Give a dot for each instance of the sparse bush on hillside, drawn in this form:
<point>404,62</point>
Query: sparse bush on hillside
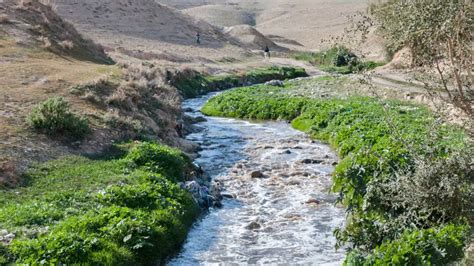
<point>54,117</point>
<point>69,45</point>
<point>123,122</point>
<point>46,43</point>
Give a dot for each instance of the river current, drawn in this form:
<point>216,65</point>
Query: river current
<point>277,209</point>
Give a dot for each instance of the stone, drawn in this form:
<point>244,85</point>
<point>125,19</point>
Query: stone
<point>253,226</point>
<point>313,201</point>
<point>276,83</point>
<point>257,174</point>
<point>286,152</point>
<point>227,195</point>
<point>311,161</point>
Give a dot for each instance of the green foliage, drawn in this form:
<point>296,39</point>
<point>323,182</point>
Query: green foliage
<point>160,159</point>
<point>433,246</point>
<point>121,210</point>
<point>439,35</point>
<point>338,59</point>
<point>192,84</point>
<point>54,117</point>
<point>425,26</point>
<point>399,169</point>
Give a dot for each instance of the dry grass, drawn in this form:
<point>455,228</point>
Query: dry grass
<point>4,19</point>
<point>68,45</point>
<point>46,43</point>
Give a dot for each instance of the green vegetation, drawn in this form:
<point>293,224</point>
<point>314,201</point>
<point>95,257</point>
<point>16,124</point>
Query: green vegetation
<point>54,117</point>
<point>439,36</point>
<point>126,209</point>
<point>192,84</point>
<point>401,172</point>
<point>337,60</point>
<point>434,246</point>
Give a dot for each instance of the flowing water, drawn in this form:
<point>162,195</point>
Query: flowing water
<point>284,215</point>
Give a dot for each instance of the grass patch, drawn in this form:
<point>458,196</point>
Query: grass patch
<point>400,172</point>
<point>337,60</point>
<point>114,210</point>
<point>54,117</point>
<point>192,84</point>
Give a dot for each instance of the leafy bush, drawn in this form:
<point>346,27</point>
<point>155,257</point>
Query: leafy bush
<point>77,210</point>
<point>344,57</point>
<point>433,246</point>
<point>338,59</point>
<point>160,159</point>
<point>399,170</point>
<point>54,117</point>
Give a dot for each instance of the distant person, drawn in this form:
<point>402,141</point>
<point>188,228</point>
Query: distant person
<point>266,53</point>
<point>198,38</point>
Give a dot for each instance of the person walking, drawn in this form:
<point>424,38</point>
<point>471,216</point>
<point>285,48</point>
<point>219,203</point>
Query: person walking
<point>198,38</point>
<point>266,53</point>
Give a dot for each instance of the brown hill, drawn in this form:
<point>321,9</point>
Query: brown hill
<point>223,15</point>
<point>147,26</point>
<point>34,24</point>
<point>251,37</point>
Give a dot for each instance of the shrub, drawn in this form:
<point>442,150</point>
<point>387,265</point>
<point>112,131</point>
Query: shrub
<point>160,159</point>
<point>54,117</point>
<point>68,45</point>
<point>433,246</point>
<point>338,59</point>
<point>344,57</point>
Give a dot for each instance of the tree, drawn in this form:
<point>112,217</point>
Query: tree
<point>439,34</point>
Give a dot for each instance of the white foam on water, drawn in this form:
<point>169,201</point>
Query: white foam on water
<point>270,221</point>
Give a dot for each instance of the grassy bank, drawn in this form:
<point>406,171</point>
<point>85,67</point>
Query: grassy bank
<point>192,84</point>
<point>404,177</point>
<point>125,209</point>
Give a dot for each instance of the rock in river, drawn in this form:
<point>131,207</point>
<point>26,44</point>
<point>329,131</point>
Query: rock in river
<point>257,174</point>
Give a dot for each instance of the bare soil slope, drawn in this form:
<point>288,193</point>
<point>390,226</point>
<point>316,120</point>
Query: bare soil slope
<point>292,22</point>
<point>251,37</point>
<point>134,26</point>
<point>223,15</point>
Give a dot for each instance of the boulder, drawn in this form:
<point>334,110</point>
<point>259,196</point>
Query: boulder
<point>257,174</point>
<point>313,201</point>
<point>276,83</point>
<point>253,226</point>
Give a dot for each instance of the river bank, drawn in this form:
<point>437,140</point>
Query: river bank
<point>398,165</point>
<point>90,208</point>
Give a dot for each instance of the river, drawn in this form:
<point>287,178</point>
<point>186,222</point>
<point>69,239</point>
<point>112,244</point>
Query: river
<point>283,215</point>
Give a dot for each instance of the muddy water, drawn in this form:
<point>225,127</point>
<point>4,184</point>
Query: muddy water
<point>283,215</point>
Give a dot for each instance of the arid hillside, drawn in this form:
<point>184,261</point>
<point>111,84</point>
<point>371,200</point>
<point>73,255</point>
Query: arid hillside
<point>145,29</point>
<point>298,24</point>
<point>44,57</point>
